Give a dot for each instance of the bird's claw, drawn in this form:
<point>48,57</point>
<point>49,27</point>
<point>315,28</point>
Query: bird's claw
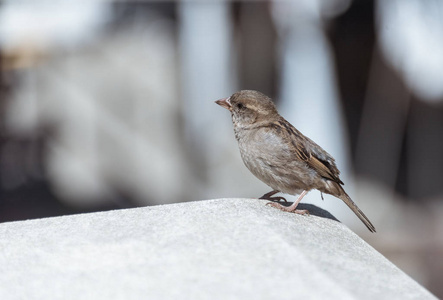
<point>287,209</point>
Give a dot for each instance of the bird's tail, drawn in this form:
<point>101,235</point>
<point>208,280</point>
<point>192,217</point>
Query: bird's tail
<point>346,199</point>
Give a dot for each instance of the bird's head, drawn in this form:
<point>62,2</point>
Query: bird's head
<point>249,107</point>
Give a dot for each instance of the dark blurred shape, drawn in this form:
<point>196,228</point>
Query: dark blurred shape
<point>424,152</point>
<point>394,134</point>
<point>383,125</point>
<point>257,42</point>
<point>352,37</point>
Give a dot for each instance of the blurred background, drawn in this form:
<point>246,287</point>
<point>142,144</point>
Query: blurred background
<point>110,104</point>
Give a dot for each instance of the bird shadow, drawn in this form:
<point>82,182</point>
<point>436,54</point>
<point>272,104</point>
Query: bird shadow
<point>313,210</point>
<point>317,211</point>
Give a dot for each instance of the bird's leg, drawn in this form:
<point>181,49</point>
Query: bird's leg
<point>268,196</point>
<point>293,207</point>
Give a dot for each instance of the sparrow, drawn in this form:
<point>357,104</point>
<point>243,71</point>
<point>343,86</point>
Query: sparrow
<point>281,156</point>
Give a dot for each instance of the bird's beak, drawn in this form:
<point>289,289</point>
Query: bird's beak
<point>225,102</point>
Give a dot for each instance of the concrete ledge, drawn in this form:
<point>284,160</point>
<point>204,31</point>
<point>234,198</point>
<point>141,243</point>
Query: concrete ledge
<point>215,249</point>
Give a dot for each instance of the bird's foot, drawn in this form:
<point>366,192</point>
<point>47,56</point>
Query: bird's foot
<point>268,196</point>
<point>288,209</point>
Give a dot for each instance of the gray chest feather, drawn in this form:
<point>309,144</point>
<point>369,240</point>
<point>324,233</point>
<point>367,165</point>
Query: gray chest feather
<point>271,160</point>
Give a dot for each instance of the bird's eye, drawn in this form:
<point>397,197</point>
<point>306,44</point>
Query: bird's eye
<point>240,106</point>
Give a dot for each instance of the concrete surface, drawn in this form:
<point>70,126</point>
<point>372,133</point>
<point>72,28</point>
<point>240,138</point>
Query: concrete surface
<point>215,249</point>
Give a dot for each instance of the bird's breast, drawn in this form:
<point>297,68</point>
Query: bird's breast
<point>271,160</point>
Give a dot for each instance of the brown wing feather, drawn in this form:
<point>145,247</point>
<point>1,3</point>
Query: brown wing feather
<point>308,151</point>
<point>323,169</point>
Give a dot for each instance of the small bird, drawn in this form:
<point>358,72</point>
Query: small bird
<point>280,155</point>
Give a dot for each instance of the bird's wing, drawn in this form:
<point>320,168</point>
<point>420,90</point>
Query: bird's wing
<point>324,168</point>
<point>311,153</point>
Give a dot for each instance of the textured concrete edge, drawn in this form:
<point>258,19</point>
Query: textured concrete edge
<point>281,232</point>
